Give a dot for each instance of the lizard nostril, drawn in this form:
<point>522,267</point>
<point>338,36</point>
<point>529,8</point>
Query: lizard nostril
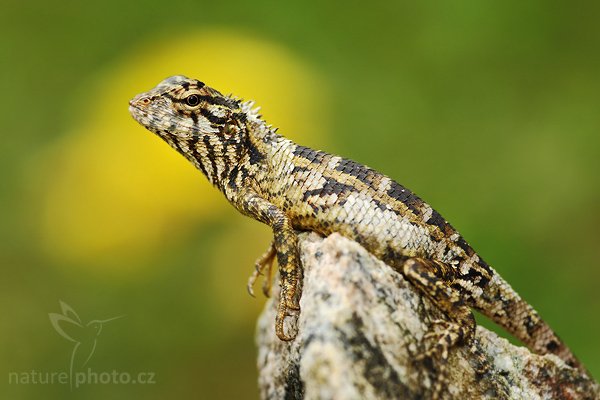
<point>136,101</point>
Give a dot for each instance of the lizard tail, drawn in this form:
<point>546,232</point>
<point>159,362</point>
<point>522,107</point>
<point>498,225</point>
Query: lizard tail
<point>500,303</point>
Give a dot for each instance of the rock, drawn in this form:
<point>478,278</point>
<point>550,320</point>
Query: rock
<point>359,333</point>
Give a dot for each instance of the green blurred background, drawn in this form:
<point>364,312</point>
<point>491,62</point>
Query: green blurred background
<point>488,110</point>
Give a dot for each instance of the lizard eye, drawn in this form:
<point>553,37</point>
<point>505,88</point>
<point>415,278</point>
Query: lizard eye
<point>192,100</point>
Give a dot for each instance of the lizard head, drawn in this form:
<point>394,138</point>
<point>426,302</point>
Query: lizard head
<point>181,108</point>
<point>205,126</point>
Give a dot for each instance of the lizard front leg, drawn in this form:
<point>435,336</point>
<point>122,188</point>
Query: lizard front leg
<point>285,243</point>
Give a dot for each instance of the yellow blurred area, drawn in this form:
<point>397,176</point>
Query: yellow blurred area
<point>237,254</point>
<point>113,191</point>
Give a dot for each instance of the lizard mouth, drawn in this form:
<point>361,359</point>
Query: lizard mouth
<point>133,105</point>
<point>137,112</point>
<point>133,108</point>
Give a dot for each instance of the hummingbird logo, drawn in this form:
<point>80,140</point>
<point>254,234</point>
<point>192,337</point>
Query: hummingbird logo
<point>84,336</point>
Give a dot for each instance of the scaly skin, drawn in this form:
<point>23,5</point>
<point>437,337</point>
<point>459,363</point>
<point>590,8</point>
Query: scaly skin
<point>290,187</point>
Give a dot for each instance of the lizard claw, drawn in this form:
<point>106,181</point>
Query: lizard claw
<point>264,263</point>
<point>266,287</point>
<point>250,287</point>
<point>282,312</point>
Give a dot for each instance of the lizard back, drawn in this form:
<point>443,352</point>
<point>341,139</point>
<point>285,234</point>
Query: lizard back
<point>327,193</point>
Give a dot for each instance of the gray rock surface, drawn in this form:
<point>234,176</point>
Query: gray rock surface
<point>359,333</point>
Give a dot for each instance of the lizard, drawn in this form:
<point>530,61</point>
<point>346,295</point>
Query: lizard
<point>292,188</point>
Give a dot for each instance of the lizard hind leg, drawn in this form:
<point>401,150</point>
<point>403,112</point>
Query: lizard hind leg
<point>434,279</point>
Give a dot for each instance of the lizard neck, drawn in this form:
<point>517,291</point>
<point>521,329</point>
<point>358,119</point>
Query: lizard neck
<point>239,149</point>
<point>248,163</point>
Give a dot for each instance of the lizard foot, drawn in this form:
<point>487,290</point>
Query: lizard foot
<point>264,263</point>
<point>282,313</point>
<point>443,336</point>
<point>434,279</point>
